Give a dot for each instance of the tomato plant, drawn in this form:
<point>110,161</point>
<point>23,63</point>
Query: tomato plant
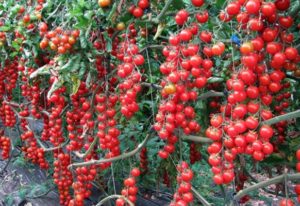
<point>173,88</point>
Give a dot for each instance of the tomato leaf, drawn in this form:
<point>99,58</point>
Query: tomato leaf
<point>108,42</point>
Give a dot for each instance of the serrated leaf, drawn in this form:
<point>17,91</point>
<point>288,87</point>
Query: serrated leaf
<point>9,200</point>
<point>215,79</point>
<point>72,65</point>
<point>108,42</point>
<point>88,80</point>
<point>40,71</point>
<point>178,4</point>
<point>15,45</point>
<point>5,28</point>
<point>159,30</point>
<point>55,85</point>
<point>82,70</point>
<point>112,12</point>
<point>88,14</point>
<point>220,3</point>
<point>36,190</point>
<point>75,84</point>
<point>22,193</point>
<point>83,40</point>
<point>81,3</point>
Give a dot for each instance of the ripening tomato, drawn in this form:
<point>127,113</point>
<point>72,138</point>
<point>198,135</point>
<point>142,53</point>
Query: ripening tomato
<point>185,35</point>
<point>286,22</point>
<point>252,6</point>
<point>137,12</point>
<point>206,36</point>
<point>291,53</point>
<point>256,24</point>
<point>286,202</point>
<point>233,8</point>
<point>246,48</point>
<point>135,172</point>
<point>282,4</point>
<point>202,17</point>
<point>197,3</point>
<point>61,50</point>
<point>218,49</point>
<point>218,179</point>
<point>268,8</point>
<point>258,155</point>
<point>104,3</point>
<point>297,189</point>
<point>216,120</point>
<point>44,43</point>
<point>144,4</point>
<point>266,132</point>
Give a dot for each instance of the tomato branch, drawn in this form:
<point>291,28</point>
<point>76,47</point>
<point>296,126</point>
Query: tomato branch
<point>198,139</point>
<point>290,115</point>
<point>200,197</point>
<point>154,86</point>
<point>211,94</point>
<point>266,183</point>
<point>257,181</point>
<point>113,159</point>
<point>163,11</point>
<point>83,155</point>
<point>151,47</point>
<point>49,149</point>
<point>114,197</point>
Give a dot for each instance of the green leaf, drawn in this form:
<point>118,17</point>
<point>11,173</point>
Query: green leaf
<point>83,39</point>
<point>55,85</point>
<point>40,71</point>
<point>5,28</point>
<point>72,65</point>
<point>81,3</point>
<point>75,84</point>
<point>215,79</point>
<point>178,4</point>
<point>22,193</point>
<point>37,190</point>
<point>108,42</point>
<point>9,200</point>
<point>16,45</point>
<point>82,70</point>
<point>112,12</point>
<point>220,3</point>
<point>88,14</point>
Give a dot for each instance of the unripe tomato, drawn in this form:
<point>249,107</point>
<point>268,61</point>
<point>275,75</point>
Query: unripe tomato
<point>120,26</point>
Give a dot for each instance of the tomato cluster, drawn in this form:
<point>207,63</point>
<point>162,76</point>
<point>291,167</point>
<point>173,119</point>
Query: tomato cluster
<point>87,123</point>
<point>107,131</point>
<point>129,86</point>
<point>55,120</point>
<point>130,191</point>
<point>79,119</point>
<point>63,178</point>
<point>57,40</point>
<point>253,83</point>
<point>183,195</point>
<point>32,150</point>
<point>5,146</point>
<point>82,187</point>
<point>138,11</point>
